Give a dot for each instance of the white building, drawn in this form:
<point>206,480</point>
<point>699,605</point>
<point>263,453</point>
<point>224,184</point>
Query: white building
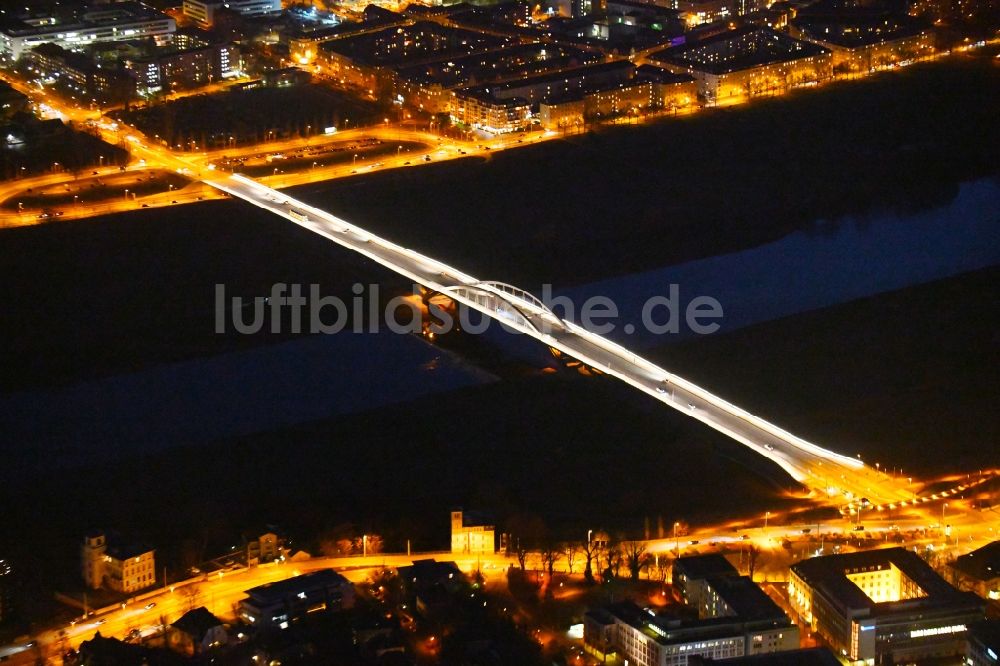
<point>106,23</point>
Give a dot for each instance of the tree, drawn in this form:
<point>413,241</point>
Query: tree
<point>190,593</point>
<point>589,551</point>
<point>753,553</point>
<point>634,553</point>
<point>550,555</point>
<point>570,551</point>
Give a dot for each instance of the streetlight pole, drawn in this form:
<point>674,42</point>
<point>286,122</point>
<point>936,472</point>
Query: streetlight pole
<point>767,514</point>
<point>677,543</point>
<point>364,545</point>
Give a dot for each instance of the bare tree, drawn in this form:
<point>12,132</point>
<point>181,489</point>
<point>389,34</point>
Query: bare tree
<point>550,555</point>
<point>634,553</point>
<point>589,551</point>
<point>190,594</point>
<point>570,550</point>
<point>753,553</point>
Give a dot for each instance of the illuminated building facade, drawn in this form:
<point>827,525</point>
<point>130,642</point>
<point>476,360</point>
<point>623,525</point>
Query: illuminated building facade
<point>748,61</point>
<point>882,605</point>
<point>109,561</point>
<point>203,11</point>
<point>192,64</point>
<point>979,571</point>
<point>101,23</point>
<point>640,636</point>
<point>279,605</point>
<point>983,648</point>
<point>864,45</point>
<point>471,534</point>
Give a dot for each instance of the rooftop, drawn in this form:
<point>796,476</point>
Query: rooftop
<point>849,31</point>
<point>697,567</point>
<point>281,590</point>
<point>197,622</point>
<point>982,563</point>
<point>745,598</point>
<point>828,575</point>
<point>734,50</point>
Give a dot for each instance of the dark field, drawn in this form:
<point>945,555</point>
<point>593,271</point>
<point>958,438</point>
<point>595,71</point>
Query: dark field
<point>905,378</point>
<point>249,115</point>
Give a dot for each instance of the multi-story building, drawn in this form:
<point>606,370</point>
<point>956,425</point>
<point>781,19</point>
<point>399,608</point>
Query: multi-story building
<point>283,603</point>
<point>75,30</point>
<point>751,60</point>
<point>862,44</point>
<point>110,561</point>
<point>78,75</point>
<point>882,605</point>
<point>735,618</point>
<point>983,645</point>
<point>367,60</point>
<point>203,11</point>
<point>979,571</point>
<point>185,64</point>
<point>753,625</point>
<point>691,573</point>
<point>470,533</point>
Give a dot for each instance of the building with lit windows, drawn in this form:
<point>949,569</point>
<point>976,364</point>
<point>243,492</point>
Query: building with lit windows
<point>862,44</point>
<point>983,647</point>
<point>470,533</point>
<point>882,606</point>
<point>110,561</point>
<point>76,29</point>
<point>754,625</point>
<point>734,618</point>
<point>281,604</point>
<point>748,61</point>
<point>6,585</point>
<point>203,11</point>
<point>979,571</point>
<point>187,62</point>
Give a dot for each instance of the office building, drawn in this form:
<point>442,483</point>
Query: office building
<point>882,605</point>
<point>77,28</point>
<point>285,602</point>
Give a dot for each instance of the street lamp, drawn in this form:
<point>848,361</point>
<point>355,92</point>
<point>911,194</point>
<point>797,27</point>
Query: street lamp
<point>767,514</point>
<point>589,533</point>
<point>943,507</point>
<point>126,194</point>
<point>677,543</point>
<point>364,545</point>
<point>355,161</point>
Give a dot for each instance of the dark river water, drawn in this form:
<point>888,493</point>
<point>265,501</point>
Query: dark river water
<point>321,376</point>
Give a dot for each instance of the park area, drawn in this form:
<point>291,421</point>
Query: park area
<point>239,117</point>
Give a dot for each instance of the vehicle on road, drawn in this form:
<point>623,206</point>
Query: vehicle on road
<point>769,447</point>
<point>151,604</point>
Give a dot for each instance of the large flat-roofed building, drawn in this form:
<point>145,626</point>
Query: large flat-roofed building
<point>203,11</point>
<point>690,573</point>
<point>427,85</point>
<point>187,62</point>
<point>641,636</point>
<point>748,61</point>
<point>367,60</point>
<point>864,43</point>
<point>983,646</point>
<point>483,106</point>
<point>882,605</point>
<point>81,27</point>
<point>282,603</point>
<point>979,571</point>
